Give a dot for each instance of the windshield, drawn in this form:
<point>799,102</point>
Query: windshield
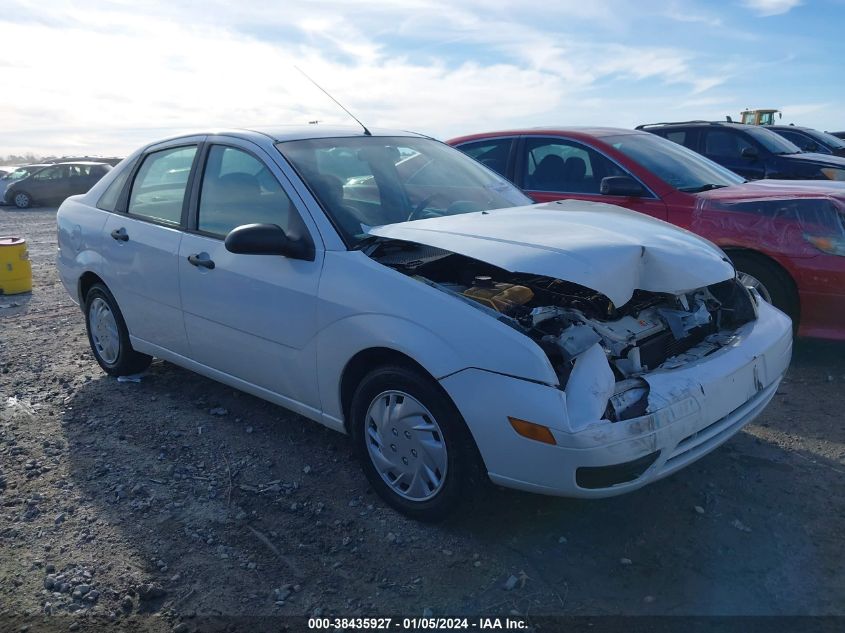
<point>676,165</point>
<point>369,181</point>
<point>21,172</point>
<point>826,139</point>
<point>772,141</point>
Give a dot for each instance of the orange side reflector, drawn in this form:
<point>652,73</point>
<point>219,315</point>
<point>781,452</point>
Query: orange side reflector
<point>532,431</point>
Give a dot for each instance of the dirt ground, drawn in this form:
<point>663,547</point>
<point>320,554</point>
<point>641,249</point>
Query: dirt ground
<point>158,501</point>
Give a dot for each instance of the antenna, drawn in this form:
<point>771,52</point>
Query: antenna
<point>325,92</point>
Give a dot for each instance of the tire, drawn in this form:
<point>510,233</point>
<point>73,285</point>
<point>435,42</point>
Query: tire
<point>109,336</point>
<point>22,200</point>
<point>414,438</point>
<point>770,280</point>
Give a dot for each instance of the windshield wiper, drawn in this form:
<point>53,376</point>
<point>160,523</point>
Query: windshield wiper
<point>707,187</point>
<point>369,240</point>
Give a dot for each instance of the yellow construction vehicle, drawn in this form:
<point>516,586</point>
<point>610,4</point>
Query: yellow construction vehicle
<point>759,117</point>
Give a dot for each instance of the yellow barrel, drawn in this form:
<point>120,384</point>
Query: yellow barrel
<point>15,269</point>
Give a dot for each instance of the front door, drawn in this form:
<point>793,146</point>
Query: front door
<point>253,317</point>
<point>556,168</point>
<point>48,185</point>
<point>726,146</point>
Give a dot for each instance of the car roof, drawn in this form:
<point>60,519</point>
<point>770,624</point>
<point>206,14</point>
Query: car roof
<point>792,127</point>
<point>302,132</point>
<point>282,133</point>
<point>570,130</point>
<point>730,124</point>
<point>80,162</point>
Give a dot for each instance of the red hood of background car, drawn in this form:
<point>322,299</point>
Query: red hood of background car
<point>776,189</point>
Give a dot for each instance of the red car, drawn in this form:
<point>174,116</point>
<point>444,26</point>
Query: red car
<point>786,238</point>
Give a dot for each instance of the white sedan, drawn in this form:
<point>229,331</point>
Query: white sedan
<point>391,288</point>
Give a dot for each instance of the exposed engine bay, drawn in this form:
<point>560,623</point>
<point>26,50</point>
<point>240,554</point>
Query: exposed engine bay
<point>599,351</point>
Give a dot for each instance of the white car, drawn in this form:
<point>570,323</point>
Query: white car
<point>389,287</point>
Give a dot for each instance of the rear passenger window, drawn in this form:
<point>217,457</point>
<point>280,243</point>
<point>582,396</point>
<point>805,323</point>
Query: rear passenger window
<point>677,137</point>
<point>490,153</point>
<point>159,188</point>
<point>79,171</point>
<point>108,201</point>
<point>238,189</point>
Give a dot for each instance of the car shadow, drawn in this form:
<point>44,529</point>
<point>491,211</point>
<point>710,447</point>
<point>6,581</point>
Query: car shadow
<point>212,489</point>
<point>14,209</point>
<point>809,401</point>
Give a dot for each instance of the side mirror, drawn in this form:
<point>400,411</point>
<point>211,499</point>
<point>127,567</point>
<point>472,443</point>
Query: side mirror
<point>749,153</point>
<point>267,239</point>
<point>621,186</point>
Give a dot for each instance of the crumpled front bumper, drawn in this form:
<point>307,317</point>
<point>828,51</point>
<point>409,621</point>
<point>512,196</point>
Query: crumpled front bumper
<point>694,409</point>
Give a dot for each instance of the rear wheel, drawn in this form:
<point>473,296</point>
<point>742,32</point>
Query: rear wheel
<point>22,200</point>
<point>109,336</point>
<point>768,279</point>
<point>412,442</point>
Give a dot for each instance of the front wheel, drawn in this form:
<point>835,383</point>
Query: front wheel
<point>22,200</point>
<point>769,280</point>
<point>414,447</point>
<point>109,336</point>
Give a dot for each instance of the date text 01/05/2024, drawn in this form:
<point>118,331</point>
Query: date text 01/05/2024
<point>414,624</point>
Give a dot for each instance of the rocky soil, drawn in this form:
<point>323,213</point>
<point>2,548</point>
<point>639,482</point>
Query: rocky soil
<point>159,502</point>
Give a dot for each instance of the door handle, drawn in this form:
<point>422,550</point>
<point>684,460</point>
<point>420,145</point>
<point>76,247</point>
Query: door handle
<point>201,259</point>
<point>120,235</point>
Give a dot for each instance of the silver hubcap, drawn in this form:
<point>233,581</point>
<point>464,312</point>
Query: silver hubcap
<point>104,331</point>
<point>21,200</point>
<point>749,281</point>
<point>406,445</point>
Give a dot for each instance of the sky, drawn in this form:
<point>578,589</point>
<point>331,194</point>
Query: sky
<point>105,78</point>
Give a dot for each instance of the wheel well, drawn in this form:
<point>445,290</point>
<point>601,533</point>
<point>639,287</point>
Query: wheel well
<point>87,280</point>
<point>768,261</point>
<point>363,362</point>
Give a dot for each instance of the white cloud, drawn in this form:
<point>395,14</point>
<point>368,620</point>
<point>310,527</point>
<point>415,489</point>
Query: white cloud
<point>771,7</point>
<point>107,79</point>
<point>801,109</point>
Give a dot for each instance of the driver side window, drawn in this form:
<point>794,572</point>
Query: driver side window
<point>238,189</point>
<point>51,173</point>
<point>564,166</point>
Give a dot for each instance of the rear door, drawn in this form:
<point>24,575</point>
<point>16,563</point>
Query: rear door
<point>495,153</point>
<point>253,317</point>
<point>142,246</point>
<point>725,146</point>
<point>554,168</point>
<point>79,179</point>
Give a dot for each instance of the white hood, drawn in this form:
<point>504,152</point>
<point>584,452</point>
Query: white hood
<point>601,246</point>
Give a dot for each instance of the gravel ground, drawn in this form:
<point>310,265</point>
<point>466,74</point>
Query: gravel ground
<point>155,502</point>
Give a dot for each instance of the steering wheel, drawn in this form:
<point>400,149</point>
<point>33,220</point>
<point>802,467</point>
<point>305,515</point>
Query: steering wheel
<point>414,215</point>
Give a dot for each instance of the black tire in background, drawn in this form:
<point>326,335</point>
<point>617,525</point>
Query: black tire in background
<point>465,473</point>
<point>127,361</point>
<point>776,282</point>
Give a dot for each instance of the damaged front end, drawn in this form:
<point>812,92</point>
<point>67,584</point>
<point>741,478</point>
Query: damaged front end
<point>602,353</point>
